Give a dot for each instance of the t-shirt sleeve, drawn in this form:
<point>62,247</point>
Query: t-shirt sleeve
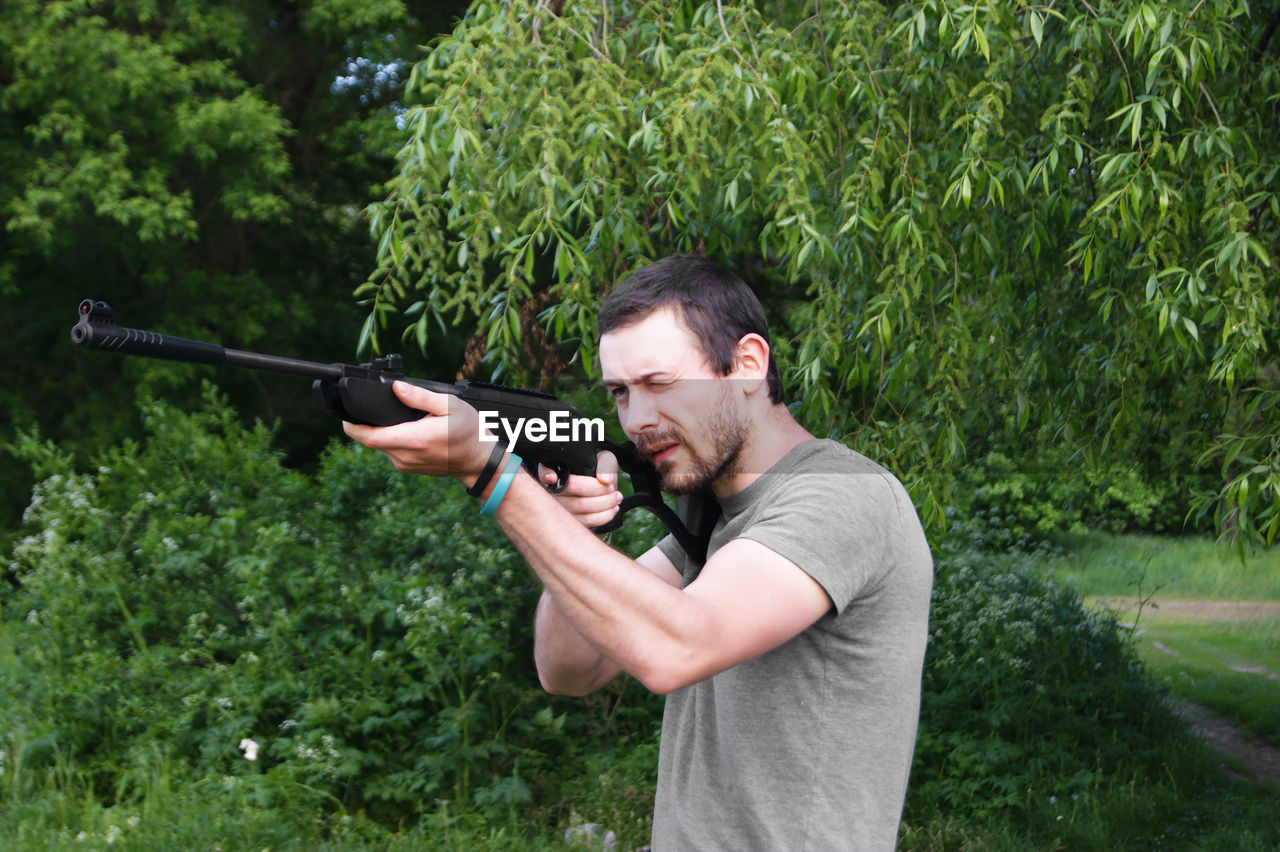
<point>835,527</point>
<point>670,548</point>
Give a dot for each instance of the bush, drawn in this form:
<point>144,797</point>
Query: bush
<point>1005,504</point>
<point>369,637</point>
<point>1027,693</point>
<point>364,629</point>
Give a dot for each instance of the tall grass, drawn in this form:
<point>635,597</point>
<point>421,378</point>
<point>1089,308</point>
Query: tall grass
<point>168,810</point>
<point>1105,564</point>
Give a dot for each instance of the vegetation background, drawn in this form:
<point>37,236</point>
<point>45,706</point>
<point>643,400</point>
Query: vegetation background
<point>1022,253</point>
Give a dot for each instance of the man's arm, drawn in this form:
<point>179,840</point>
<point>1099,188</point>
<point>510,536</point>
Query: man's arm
<point>567,663</point>
<point>747,599</point>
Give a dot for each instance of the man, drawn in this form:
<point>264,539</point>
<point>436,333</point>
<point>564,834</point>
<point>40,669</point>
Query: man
<point>792,659</point>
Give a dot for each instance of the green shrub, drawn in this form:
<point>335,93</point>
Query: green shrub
<point>1028,694</point>
<point>1006,504</point>
<point>370,634</point>
<point>364,629</point>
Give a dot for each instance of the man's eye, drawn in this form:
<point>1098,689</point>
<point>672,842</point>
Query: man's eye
<point>618,392</point>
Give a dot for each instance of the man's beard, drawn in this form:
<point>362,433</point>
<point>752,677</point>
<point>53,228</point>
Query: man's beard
<point>728,435</point>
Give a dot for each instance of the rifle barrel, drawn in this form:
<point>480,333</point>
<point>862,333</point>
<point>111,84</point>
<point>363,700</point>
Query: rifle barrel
<point>97,329</point>
<point>277,364</point>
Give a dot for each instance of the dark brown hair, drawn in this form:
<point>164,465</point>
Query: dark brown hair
<point>713,302</point>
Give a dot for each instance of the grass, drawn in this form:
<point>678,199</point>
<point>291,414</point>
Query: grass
<point>1190,568</point>
<point>1224,658</point>
<point>1213,817</point>
<point>1205,621</point>
<point>164,809</point>
<point>1221,657</point>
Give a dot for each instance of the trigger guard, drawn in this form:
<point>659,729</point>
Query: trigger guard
<point>562,479</point>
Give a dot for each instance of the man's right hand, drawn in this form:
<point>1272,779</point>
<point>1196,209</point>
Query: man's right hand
<point>593,500</point>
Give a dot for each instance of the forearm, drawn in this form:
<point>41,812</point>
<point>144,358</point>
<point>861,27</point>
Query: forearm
<point>567,663</point>
<point>635,619</point>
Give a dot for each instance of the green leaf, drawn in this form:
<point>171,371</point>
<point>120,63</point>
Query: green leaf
<point>366,334</point>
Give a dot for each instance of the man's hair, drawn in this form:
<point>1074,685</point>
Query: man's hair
<point>713,303</point>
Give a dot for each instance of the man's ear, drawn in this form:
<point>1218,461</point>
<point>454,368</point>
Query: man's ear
<point>751,362</point>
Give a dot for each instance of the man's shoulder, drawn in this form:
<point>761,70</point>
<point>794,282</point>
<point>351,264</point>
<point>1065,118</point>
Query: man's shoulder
<point>828,456</point>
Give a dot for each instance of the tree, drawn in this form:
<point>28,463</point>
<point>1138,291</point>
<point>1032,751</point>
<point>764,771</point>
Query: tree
<point>202,166</point>
<point>980,224</point>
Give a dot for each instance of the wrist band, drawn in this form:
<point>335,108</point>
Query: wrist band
<point>490,468</point>
<point>504,482</point>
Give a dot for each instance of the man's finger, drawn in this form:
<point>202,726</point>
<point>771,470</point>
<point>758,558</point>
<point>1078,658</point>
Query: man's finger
<point>421,398</point>
<point>607,468</point>
<point>598,520</point>
<point>594,504</point>
<point>414,433</point>
<point>593,511</point>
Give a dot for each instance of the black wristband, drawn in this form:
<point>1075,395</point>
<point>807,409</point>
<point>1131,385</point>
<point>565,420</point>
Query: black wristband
<point>490,468</point>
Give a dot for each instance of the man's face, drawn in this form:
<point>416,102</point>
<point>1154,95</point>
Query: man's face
<point>689,423</point>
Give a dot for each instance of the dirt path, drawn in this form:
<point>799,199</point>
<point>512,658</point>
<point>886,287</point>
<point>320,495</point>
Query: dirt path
<point>1262,759</point>
<point>1259,757</point>
<point>1197,610</point>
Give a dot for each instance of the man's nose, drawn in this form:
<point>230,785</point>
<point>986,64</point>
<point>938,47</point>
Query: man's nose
<point>641,413</point>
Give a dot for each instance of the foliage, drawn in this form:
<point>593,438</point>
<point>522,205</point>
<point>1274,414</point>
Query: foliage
<point>1004,505</point>
<point>360,627</point>
<point>1028,694</point>
<point>1049,223</point>
<point>201,166</point>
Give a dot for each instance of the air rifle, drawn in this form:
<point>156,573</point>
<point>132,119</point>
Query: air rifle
<point>362,394</point>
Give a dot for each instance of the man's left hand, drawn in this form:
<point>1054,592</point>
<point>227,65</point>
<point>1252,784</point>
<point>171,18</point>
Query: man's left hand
<point>444,443</point>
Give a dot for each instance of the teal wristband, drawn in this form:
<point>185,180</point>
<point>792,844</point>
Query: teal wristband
<point>504,482</point>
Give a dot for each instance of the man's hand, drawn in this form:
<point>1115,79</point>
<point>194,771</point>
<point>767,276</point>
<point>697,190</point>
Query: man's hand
<point>592,500</point>
<point>444,443</point>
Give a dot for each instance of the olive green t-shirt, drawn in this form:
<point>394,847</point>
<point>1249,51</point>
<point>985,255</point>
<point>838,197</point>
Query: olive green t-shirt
<point>808,746</point>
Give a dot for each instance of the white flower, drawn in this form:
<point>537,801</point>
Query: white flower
<point>250,749</point>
